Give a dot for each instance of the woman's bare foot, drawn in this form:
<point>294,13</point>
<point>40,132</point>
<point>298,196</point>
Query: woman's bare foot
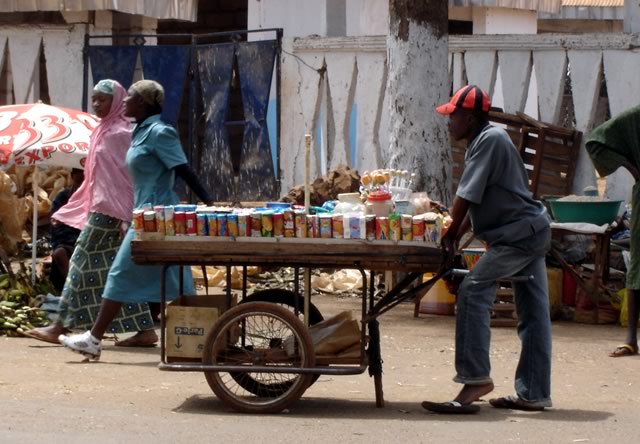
<point>47,334</point>
<point>472,393</point>
<point>145,338</point>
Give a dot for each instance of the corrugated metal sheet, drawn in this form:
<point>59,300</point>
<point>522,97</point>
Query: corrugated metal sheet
<point>588,10</point>
<point>594,3</point>
<point>160,9</point>
<point>551,6</point>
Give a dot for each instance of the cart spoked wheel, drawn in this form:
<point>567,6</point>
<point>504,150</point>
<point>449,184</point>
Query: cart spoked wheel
<point>286,299</point>
<point>259,334</point>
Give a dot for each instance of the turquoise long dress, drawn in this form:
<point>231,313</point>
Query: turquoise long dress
<point>155,150</point>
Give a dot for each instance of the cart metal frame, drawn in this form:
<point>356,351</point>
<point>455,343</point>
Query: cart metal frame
<point>416,258</point>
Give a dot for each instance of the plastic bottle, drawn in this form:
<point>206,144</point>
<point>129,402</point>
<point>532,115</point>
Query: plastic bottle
<point>349,203</point>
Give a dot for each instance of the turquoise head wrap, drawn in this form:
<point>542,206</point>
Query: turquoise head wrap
<point>106,86</point>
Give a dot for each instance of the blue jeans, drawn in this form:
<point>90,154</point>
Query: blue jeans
<point>473,317</point>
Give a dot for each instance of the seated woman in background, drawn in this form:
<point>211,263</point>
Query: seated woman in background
<point>63,237</point>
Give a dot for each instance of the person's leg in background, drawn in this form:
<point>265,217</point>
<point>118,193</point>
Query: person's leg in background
<point>60,266</point>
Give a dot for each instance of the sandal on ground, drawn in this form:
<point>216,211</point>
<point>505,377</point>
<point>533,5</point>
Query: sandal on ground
<point>515,403</point>
<point>451,407</point>
<point>624,350</point>
<point>136,342</point>
<point>35,334</point>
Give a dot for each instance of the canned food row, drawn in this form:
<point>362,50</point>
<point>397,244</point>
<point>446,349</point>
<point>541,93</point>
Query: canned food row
<point>170,221</point>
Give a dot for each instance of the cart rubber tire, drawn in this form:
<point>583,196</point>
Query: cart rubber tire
<point>285,298</point>
<point>278,401</point>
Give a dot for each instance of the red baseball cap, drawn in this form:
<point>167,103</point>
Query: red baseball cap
<point>468,97</point>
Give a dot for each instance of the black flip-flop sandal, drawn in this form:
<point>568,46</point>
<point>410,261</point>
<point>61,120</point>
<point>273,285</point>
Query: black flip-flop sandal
<point>451,407</point>
<point>513,403</point>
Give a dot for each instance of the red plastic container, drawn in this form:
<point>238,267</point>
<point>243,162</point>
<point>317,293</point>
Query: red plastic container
<point>569,287</point>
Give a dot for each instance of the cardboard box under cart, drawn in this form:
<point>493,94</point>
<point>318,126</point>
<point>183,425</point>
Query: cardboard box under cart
<point>188,322</point>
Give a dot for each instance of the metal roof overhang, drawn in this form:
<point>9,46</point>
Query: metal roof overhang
<point>159,9</point>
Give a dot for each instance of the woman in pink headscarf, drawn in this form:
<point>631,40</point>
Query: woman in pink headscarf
<point>102,209</point>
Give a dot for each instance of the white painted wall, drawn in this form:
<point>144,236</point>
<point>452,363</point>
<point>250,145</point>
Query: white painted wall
<point>631,16</point>
<point>62,46</point>
<point>367,17</point>
<point>504,21</point>
<point>297,18</point>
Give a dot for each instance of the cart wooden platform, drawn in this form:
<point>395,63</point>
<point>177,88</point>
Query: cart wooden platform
<point>259,357</point>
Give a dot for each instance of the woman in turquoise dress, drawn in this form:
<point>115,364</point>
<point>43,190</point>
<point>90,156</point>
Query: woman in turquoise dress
<point>154,159</point>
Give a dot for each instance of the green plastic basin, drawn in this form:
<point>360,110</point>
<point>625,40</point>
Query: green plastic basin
<point>598,213</point>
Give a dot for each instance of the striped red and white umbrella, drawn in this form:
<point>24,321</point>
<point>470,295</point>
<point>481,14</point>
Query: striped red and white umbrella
<point>39,134</point>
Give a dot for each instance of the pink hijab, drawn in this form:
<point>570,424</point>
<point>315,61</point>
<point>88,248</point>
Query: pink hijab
<point>107,188</point>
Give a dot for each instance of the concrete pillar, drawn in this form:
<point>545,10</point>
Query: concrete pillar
<point>632,16</point>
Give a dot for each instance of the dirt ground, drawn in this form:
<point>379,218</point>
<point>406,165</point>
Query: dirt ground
<point>48,395</point>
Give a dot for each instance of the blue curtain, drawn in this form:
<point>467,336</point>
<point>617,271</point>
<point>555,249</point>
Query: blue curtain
<point>113,62</point>
<point>215,65</point>
<point>255,69</point>
<point>167,65</point>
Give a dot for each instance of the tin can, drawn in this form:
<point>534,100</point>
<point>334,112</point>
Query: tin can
<point>212,224</point>
<point>147,206</point>
<point>138,220</point>
<point>352,228</point>
<point>418,228</point>
<point>431,231</point>
<point>370,227</point>
<point>267,224</point>
<point>300,223</point>
<point>169,225</point>
<point>310,232</point>
<point>180,221</point>
<point>223,225</point>
<point>150,221</point>
<point>278,225</point>
<point>439,228</point>
<point>326,226</point>
<point>382,228</point>
<point>201,224</point>
<point>232,225</point>
<point>160,224</point>
<point>289,223</point>
<point>406,223</point>
<point>256,224</point>
<point>337,221</point>
<point>316,225</point>
<point>244,225</point>
<point>395,229</point>
<point>191,223</point>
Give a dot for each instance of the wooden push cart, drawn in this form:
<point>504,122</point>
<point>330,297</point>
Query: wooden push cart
<point>259,357</point>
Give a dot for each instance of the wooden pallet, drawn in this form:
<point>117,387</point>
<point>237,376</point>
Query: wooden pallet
<point>504,309</point>
<point>550,153</point>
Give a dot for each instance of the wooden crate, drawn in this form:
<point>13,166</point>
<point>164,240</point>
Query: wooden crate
<point>549,152</point>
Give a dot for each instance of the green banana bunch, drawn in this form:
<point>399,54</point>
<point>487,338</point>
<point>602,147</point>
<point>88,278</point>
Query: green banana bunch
<point>15,319</point>
<point>19,304</point>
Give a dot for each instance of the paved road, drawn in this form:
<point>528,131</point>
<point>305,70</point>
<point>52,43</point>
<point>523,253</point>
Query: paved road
<point>48,395</point>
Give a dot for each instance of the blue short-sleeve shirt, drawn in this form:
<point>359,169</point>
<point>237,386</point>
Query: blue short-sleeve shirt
<point>495,181</point>
<point>155,150</point>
